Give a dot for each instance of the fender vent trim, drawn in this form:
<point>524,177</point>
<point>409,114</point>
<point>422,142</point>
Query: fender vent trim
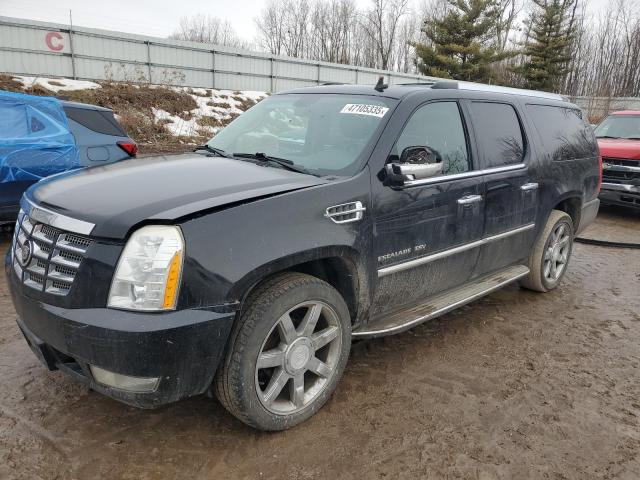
<point>346,212</point>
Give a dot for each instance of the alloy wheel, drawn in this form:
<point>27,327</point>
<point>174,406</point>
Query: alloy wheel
<point>298,357</point>
<point>556,254</point>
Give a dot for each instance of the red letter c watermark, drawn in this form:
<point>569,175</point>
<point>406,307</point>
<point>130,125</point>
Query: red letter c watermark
<point>51,40</point>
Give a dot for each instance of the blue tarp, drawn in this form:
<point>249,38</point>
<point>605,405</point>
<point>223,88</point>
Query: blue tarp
<point>35,140</point>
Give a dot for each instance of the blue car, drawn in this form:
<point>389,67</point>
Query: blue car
<point>43,136</point>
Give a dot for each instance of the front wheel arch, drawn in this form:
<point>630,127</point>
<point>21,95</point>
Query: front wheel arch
<point>340,267</point>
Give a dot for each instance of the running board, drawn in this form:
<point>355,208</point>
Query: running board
<point>405,319</point>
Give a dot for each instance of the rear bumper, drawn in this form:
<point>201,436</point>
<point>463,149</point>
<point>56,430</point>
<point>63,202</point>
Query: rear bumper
<point>181,348</point>
<point>620,194</point>
<point>588,214</point>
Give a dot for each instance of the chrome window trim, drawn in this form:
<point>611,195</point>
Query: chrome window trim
<point>469,174</point>
<point>416,262</point>
<point>57,220</point>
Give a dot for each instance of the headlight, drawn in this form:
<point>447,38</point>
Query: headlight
<point>148,273</point>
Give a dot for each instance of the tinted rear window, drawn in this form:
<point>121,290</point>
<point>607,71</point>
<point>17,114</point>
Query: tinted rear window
<point>97,120</point>
<point>565,135</point>
<point>498,133</point>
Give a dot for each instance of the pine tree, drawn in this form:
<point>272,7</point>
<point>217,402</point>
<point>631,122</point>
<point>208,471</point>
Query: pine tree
<point>548,48</point>
<point>460,42</point>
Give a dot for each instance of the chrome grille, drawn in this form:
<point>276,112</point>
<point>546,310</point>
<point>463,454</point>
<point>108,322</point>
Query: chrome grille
<point>618,170</point>
<point>52,256</point>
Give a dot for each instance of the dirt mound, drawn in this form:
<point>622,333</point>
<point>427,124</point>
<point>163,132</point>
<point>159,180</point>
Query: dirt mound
<point>124,98</point>
<point>159,118</point>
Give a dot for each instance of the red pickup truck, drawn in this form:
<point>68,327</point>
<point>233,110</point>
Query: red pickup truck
<point>619,141</point>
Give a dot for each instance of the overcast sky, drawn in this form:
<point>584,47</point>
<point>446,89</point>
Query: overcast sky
<point>150,17</point>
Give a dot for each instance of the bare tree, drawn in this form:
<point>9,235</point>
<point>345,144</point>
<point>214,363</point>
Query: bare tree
<point>604,56</point>
<point>271,27</point>
<point>207,29</point>
<point>381,23</point>
<point>405,54</point>
<point>330,31</point>
<point>606,59</point>
<point>508,12</point>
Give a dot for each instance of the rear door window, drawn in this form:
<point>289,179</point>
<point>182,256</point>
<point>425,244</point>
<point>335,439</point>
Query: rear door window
<point>564,133</point>
<point>498,133</point>
<point>99,121</point>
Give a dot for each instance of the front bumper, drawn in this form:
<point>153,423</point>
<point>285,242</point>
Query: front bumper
<point>182,348</point>
<point>620,194</point>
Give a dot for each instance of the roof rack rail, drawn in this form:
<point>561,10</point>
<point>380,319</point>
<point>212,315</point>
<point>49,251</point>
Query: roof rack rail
<point>482,87</point>
<point>425,83</point>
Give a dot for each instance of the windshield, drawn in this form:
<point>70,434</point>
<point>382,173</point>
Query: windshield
<point>324,133</point>
<point>619,126</point>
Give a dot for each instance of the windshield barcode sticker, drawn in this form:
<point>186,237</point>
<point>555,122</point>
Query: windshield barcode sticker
<point>360,109</point>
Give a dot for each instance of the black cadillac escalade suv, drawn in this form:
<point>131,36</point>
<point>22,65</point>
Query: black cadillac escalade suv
<point>319,216</point>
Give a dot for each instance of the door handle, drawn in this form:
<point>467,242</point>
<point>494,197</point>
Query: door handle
<point>469,199</point>
<point>527,187</point>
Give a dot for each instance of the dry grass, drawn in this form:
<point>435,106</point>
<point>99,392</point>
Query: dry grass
<point>125,97</point>
<point>246,104</point>
<point>8,83</point>
<point>207,121</point>
<point>232,117</point>
<point>143,129</point>
<point>198,93</point>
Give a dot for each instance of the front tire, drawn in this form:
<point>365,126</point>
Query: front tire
<point>551,253</point>
<point>286,354</point>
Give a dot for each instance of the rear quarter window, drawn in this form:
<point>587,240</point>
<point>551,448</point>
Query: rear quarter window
<point>565,135</point>
<point>498,133</point>
<point>13,121</point>
<point>99,121</point>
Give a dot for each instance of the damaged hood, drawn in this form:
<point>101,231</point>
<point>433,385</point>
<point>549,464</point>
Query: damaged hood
<point>118,196</point>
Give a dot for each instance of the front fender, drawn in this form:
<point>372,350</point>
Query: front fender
<point>229,251</point>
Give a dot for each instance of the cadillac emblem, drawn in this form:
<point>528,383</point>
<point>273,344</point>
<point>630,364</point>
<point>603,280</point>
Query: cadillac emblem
<point>25,253</point>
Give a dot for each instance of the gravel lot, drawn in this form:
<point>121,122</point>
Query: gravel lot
<point>518,385</point>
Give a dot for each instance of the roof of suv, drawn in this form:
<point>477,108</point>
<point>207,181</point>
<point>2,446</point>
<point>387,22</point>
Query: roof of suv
<point>401,90</point>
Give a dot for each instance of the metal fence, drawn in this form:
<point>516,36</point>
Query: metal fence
<point>34,48</point>
<point>599,107</point>
<point>47,49</point>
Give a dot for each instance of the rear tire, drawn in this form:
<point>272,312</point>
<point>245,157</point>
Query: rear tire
<point>286,354</point>
<point>551,253</point>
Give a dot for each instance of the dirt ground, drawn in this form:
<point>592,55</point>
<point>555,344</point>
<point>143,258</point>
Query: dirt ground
<point>518,385</point>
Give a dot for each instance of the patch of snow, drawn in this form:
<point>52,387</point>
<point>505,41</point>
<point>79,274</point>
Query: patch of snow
<point>178,127</point>
<point>65,84</point>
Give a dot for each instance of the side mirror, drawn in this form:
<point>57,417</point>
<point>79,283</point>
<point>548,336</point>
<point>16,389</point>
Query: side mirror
<point>416,163</point>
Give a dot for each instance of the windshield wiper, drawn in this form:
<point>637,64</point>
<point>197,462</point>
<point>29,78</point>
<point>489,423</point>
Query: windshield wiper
<point>217,151</point>
<point>283,162</point>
